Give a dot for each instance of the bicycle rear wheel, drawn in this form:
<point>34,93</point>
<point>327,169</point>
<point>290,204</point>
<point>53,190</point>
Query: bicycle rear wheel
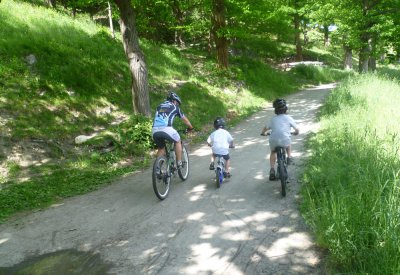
<point>282,176</point>
<point>161,177</point>
<point>218,177</point>
<point>184,171</point>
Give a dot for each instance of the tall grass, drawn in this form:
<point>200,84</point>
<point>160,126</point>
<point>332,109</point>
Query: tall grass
<point>351,191</point>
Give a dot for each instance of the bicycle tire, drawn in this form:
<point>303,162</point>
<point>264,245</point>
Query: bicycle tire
<point>282,176</point>
<point>161,177</point>
<point>218,177</point>
<point>184,171</point>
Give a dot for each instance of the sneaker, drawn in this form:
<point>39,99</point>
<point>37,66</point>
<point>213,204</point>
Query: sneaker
<point>212,166</point>
<point>227,175</point>
<point>179,164</point>
<point>289,161</point>
<point>272,174</point>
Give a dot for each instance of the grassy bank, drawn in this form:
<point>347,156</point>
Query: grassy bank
<point>79,84</point>
<point>351,186</point>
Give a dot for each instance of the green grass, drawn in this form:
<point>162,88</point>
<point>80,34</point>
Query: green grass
<point>351,184</point>
<point>80,85</point>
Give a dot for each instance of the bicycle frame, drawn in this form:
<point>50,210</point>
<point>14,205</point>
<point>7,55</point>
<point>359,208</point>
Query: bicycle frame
<point>282,170</point>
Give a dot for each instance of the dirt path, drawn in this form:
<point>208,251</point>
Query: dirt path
<point>245,227</point>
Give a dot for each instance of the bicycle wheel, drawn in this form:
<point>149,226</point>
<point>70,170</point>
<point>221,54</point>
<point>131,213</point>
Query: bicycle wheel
<point>282,176</point>
<point>218,177</point>
<point>184,171</point>
<point>161,177</point>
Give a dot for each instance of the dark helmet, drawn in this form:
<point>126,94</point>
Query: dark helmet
<point>219,122</point>
<point>280,106</point>
<point>173,96</point>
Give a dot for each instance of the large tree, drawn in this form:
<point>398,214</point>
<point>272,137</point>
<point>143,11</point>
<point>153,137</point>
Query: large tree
<point>218,32</point>
<point>136,60</point>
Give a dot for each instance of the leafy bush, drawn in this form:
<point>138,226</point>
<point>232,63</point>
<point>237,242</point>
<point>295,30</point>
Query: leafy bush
<point>135,134</point>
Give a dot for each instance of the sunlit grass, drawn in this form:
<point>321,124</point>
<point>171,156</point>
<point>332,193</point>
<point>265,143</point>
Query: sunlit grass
<point>351,189</point>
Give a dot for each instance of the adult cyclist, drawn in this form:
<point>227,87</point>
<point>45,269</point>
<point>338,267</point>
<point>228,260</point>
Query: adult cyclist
<point>162,125</point>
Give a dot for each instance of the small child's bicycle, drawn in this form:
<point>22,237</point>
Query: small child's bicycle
<point>165,167</point>
<point>219,170</point>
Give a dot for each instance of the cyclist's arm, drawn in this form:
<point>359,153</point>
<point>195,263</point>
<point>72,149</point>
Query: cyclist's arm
<point>187,122</point>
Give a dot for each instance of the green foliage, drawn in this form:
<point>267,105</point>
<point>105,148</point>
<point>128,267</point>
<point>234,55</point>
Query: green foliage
<point>81,85</point>
<point>135,135</point>
<point>351,184</point>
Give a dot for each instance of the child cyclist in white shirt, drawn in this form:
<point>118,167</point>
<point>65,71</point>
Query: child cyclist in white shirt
<point>220,141</point>
<point>280,126</point>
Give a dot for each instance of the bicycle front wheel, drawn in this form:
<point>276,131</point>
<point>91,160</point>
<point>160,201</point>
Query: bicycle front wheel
<point>183,172</point>
<point>161,177</point>
<point>282,176</point>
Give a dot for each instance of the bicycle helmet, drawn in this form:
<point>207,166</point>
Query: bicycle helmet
<point>219,122</point>
<point>280,106</point>
<point>173,96</point>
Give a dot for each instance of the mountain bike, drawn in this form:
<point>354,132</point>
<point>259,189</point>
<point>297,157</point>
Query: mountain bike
<point>165,168</point>
<point>282,168</point>
<point>281,160</point>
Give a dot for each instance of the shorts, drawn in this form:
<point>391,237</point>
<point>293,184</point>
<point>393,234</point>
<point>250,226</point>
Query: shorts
<point>165,133</point>
<point>226,157</point>
<point>278,143</point>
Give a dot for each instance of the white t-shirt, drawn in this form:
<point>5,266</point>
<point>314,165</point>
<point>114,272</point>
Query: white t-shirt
<point>280,126</point>
<point>220,140</point>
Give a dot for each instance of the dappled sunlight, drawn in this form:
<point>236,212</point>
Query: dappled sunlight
<point>3,240</point>
<point>207,260</point>
<point>261,217</point>
<point>209,231</point>
<point>197,192</point>
<point>202,151</point>
<point>288,244</point>
<point>195,216</point>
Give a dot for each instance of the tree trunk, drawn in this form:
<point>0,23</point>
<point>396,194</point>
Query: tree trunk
<point>218,24</point>
<point>348,58</point>
<point>52,3</point>
<point>299,49</point>
<point>137,65</point>
<point>372,64</point>
<point>326,36</point>
<point>110,19</point>
<point>365,36</point>
<point>179,17</point>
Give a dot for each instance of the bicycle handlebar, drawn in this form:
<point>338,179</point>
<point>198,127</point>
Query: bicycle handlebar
<point>269,133</point>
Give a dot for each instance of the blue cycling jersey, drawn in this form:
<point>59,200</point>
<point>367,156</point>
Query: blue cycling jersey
<point>166,113</point>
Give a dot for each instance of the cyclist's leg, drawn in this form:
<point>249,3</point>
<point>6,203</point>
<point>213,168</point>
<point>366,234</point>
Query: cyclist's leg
<point>212,161</point>
<point>272,159</point>
<point>159,139</point>
<point>227,165</point>
<point>178,151</point>
<point>227,159</point>
<point>289,151</point>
